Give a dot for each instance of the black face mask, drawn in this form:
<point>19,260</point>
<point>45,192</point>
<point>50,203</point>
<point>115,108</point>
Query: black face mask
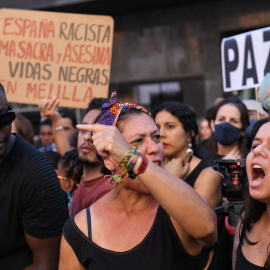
<point>227,134</point>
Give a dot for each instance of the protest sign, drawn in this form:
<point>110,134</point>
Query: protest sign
<point>245,59</point>
<point>47,54</point>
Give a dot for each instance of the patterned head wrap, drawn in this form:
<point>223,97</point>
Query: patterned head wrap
<point>111,111</point>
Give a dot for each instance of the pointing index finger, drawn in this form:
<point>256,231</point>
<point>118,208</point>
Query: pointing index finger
<point>90,127</point>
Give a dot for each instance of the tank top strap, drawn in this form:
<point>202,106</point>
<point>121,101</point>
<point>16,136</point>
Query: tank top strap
<point>89,223</point>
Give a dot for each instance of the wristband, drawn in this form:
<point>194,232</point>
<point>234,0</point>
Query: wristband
<point>58,128</point>
<point>133,161</point>
<point>126,158</point>
<point>143,165</point>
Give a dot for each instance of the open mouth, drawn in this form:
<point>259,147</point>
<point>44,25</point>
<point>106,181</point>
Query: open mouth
<point>258,173</point>
<point>157,162</point>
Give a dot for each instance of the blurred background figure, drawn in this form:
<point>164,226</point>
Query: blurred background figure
<point>228,141</point>
<point>69,121</point>
<point>205,130</point>
<point>63,124</point>
<point>253,106</point>
<point>24,128</point>
<point>46,136</point>
<point>69,172</point>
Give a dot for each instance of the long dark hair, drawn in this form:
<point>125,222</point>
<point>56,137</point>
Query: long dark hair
<point>212,143</point>
<point>253,208</point>
<point>186,115</point>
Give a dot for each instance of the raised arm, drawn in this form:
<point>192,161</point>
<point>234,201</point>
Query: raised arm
<point>48,108</point>
<point>179,200</point>
<point>207,184</point>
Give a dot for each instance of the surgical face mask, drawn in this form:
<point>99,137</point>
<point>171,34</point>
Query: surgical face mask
<point>227,134</point>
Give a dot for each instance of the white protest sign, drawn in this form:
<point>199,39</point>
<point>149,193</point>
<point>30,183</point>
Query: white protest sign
<point>47,54</point>
<point>245,59</point>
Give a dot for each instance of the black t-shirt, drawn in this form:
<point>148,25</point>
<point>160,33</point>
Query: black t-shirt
<point>31,201</point>
<point>161,249</point>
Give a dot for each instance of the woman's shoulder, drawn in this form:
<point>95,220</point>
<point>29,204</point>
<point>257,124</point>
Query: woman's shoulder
<point>211,172</point>
<point>80,220</point>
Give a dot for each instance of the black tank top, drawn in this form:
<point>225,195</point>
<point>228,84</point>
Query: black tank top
<point>191,179</point>
<point>161,249</point>
<point>242,263</point>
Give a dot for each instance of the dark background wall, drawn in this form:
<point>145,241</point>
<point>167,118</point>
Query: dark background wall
<point>173,41</point>
<point>182,43</point>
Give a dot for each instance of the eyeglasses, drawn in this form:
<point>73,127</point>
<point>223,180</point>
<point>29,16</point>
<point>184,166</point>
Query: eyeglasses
<point>62,178</point>
<point>7,118</point>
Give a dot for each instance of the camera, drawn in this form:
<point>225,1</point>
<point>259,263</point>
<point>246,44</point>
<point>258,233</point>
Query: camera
<point>234,177</point>
<point>233,184</point>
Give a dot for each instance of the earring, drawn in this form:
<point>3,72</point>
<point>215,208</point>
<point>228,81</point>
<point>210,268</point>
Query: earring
<point>189,151</point>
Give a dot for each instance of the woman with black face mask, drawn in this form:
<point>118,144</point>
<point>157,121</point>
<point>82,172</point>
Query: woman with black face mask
<point>229,122</point>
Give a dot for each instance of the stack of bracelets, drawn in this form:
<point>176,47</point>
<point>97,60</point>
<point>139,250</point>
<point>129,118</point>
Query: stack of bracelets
<point>129,162</point>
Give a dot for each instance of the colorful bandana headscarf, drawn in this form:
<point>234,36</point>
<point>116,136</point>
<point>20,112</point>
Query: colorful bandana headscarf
<point>112,110</point>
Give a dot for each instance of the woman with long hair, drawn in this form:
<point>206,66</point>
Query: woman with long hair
<point>178,130</point>
<point>252,236</point>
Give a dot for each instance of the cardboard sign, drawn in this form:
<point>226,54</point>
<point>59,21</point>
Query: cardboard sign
<point>47,54</point>
<point>245,59</point>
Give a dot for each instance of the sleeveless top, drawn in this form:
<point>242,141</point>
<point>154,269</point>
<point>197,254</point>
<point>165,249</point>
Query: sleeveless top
<point>192,177</point>
<point>242,263</point>
<point>160,249</point>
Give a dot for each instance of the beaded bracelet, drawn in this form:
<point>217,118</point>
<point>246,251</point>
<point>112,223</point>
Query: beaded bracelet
<point>131,158</point>
<point>127,157</point>
<point>143,164</point>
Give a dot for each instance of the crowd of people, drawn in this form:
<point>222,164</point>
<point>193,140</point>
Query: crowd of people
<point>129,188</point>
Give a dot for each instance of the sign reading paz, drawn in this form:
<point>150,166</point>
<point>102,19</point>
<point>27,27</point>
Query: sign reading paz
<point>245,59</point>
<point>47,54</point>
